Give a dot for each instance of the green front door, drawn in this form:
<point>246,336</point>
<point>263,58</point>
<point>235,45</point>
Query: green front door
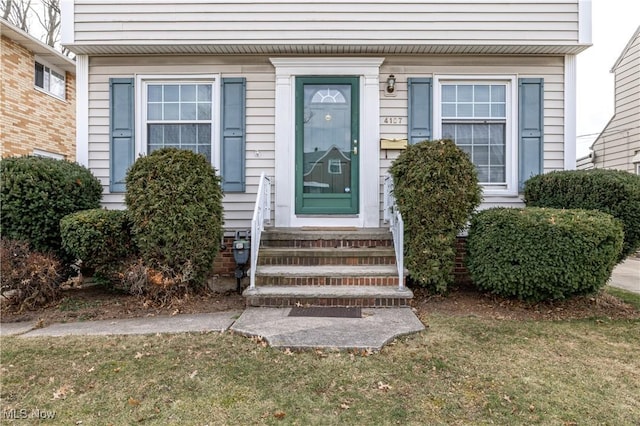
<point>327,123</point>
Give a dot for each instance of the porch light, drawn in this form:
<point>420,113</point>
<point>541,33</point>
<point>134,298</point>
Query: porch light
<point>391,83</point>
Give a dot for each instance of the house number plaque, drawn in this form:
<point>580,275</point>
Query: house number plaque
<point>393,120</point>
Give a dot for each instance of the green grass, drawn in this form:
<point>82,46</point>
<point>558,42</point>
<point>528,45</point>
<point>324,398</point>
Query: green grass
<point>462,370</point>
<point>626,296</point>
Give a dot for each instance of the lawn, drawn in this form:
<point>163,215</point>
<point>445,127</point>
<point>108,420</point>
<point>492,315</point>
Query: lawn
<point>461,370</point>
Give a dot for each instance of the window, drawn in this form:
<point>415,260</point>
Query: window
<point>335,166</point>
<point>180,115</point>
<point>477,115</point>
<point>50,80</point>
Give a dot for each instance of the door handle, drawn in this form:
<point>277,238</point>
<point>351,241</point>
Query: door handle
<point>355,147</point>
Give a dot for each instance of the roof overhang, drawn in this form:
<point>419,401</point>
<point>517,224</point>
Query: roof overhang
<point>39,48</point>
<point>257,48</point>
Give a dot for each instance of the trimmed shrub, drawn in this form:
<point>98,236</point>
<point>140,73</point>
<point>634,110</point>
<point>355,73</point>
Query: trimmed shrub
<point>436,188</point>
<point>542,254</point>
<point>611,191</point>
<point>100,238</point>
<point>28,279</point>
<point>175,204</point>
<point>37,192</point>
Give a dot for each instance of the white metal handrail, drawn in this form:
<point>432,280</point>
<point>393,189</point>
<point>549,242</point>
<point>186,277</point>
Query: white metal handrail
<point>393,217</point>
<point>261,215</point>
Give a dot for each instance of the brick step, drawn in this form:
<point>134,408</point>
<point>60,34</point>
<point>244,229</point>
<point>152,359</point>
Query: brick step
<point>309,237</point>
<point>364,296</point>
<point>327,275</point>
<point>327,256</point>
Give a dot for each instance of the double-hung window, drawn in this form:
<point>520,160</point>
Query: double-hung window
<point>49,79</point>
<point>178,114</point>
<point>478,115</point>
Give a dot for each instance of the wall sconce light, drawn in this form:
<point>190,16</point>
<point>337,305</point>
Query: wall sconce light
<point>391,83</point>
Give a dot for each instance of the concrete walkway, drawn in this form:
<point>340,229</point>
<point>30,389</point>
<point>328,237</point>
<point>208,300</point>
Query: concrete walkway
<point>627,275</point>
<point>376,328</point>
<point>219,321</point>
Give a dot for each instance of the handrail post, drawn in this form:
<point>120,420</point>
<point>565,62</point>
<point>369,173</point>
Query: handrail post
<point>261,214</point>
<point>393,217</point>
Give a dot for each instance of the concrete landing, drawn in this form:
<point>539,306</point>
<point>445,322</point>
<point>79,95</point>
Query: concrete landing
<point>376,328</point>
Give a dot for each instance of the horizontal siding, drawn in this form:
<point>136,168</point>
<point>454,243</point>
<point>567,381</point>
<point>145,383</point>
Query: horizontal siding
<point>260,118</point>
<point>549,68</point>
<point>260,155</point>
<point>140,22</point>
<point>620,140</point>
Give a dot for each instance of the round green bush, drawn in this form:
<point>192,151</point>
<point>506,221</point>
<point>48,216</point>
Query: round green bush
<point>436,189</point>
<point>99,238</point>
<point>611,191</point>
<point>37,192</point>
<point>175,204</point>
<point>542,254</point>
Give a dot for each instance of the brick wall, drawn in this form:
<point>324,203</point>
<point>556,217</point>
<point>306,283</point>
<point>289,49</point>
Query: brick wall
<point>224,264</point>
<point>31,119</point>
<point>460,271</point>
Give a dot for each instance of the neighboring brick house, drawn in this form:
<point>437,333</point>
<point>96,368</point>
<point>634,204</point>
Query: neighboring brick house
<point>37,97</point>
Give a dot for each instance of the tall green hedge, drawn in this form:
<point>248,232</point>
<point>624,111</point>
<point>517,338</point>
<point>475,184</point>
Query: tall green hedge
<point>436,189</point>
<point>174,200</point>
<point>37,192</point>
<point>542,254</point>
<point>611,191</point>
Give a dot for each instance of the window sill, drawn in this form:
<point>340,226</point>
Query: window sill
<point>41,90</point>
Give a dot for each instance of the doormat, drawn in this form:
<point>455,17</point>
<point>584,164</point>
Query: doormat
<point>326,312</point>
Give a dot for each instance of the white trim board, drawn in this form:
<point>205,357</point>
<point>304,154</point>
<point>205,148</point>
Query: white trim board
<point>82,110</point>
<point>368,69</point>
<point>570,107</point>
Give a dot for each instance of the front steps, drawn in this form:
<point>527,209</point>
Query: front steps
<point>319,267</point>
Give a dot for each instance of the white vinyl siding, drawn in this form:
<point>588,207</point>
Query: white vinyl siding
<point>620,139</point>
<point>394,108</point>
<point>276,26</point>
<point>260,118</point>
<point>260,130</point>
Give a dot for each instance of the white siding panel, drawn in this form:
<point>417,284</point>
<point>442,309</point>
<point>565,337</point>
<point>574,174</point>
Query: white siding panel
<point>620,140</point>
<point>260,116</point>
<point>549,68</point>
<point>260,155</point>
<point>337,22</point>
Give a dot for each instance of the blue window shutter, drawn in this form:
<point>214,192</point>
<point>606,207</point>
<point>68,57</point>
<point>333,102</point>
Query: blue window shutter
<point>232,164</point>
<point>420,109</point>
<point>530,128</point>
<point>121,100</point>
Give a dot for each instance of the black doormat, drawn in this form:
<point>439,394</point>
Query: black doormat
<point>326,312</point>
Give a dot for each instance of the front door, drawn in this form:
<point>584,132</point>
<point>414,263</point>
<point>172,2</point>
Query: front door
<point>327,123</point>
